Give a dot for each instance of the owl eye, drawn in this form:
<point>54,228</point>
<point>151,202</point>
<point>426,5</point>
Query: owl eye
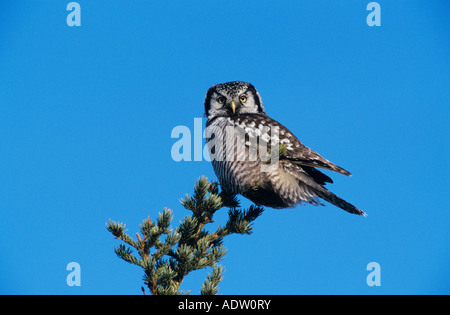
<point>221,99</point>
<point>243,98</point>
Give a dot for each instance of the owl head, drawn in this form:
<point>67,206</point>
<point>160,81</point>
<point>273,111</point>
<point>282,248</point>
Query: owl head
<point>232,98</point>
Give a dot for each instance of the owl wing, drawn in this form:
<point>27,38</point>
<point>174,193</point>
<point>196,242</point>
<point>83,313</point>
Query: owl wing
<point>268,129</point>
<point>298,160</point>
<point>299,154</point>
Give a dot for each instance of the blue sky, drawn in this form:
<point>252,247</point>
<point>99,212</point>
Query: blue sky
<point>86,115</point>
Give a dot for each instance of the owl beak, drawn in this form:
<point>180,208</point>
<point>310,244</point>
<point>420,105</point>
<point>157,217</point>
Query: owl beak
<point>233,107</point>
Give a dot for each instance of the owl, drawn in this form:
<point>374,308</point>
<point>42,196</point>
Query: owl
<point>257,157</point>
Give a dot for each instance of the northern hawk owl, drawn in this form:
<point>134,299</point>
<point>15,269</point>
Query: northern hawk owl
<point>257,157</point>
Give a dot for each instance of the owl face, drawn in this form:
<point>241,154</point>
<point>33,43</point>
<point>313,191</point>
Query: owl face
<point>232,98</point>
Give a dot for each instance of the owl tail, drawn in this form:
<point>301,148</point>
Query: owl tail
<point>312,186</point>
<point>327,195</point>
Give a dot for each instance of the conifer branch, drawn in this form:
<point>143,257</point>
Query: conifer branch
<point>211,284</point>
<point>167,255</point>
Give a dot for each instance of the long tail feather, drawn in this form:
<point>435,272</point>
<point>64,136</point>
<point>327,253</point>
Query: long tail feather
<point>339,202</point>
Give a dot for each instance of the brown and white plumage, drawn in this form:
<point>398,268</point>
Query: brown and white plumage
<point>241,137</point>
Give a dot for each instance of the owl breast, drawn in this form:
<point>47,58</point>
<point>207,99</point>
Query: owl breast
<point>231,160</point>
